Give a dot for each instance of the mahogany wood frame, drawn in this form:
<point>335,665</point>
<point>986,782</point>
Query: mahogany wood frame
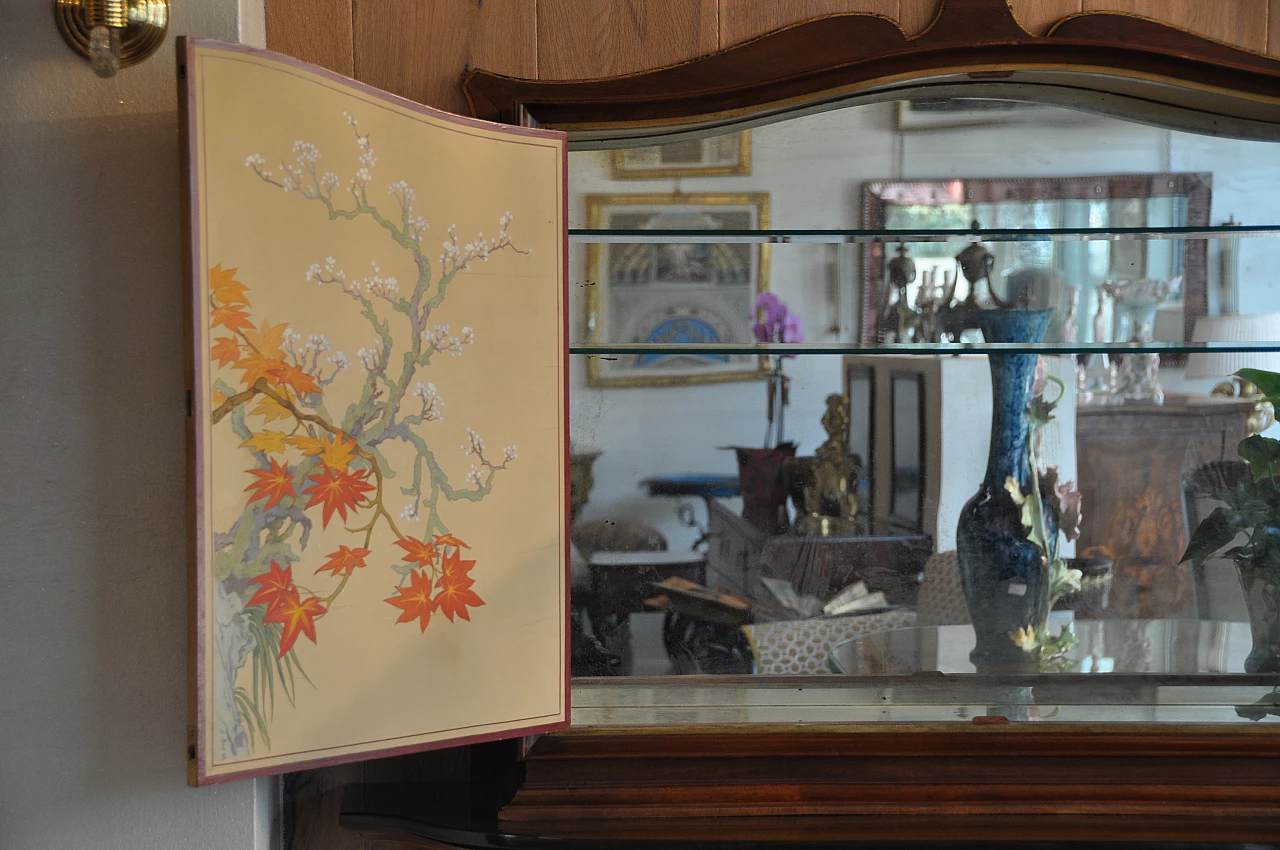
<point>1193,187</point>
<point>1141,67</point>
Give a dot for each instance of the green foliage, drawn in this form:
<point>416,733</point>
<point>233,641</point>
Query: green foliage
<point>1251,509</point>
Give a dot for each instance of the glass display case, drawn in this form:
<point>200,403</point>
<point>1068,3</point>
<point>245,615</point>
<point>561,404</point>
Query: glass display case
<point>913,421</point>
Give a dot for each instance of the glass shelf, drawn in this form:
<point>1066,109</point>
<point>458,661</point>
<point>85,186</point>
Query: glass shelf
<point>840,348</point>
<point>864,237</point>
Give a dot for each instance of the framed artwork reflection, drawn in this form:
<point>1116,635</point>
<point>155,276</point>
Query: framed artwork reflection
<point>715,156</point>
<point>674,292</point>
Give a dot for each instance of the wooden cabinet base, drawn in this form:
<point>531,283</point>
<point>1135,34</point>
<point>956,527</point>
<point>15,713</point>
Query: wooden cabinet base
<point>983,783</point>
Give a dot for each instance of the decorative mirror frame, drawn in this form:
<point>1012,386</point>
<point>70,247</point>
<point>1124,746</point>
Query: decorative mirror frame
<point>877,196</point>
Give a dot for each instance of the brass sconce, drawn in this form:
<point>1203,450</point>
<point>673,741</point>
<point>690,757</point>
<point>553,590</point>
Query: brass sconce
<point>112,34</point>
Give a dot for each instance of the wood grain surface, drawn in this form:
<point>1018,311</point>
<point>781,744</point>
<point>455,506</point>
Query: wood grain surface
<point>914,16</point>
<point>1242,23</point>
<point>579,39</point>
<point>316,31</point>
<point>420,49</point>
<point>744,19</point>
<point>1037,16</point>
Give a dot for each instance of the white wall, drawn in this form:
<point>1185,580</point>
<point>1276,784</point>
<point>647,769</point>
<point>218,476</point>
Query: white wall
<point>93,544</point>
<point>813,168</point>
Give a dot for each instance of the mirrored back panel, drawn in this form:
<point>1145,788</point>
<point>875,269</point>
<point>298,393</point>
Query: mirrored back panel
<point>946,388</point>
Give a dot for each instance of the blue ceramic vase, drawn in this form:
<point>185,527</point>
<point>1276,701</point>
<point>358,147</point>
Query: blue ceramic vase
<point>1005,581</point>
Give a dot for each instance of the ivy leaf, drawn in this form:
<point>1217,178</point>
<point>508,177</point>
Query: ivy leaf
<point>414,601</point>
<point>1268,383</point>
<point>1214,531</point>
<point>226,350</point>
<point>266,441</point>
<point>1262,454</point>
<point>224,286</point>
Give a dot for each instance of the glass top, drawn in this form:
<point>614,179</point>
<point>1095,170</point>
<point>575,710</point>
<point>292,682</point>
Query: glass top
<point>866,237</point>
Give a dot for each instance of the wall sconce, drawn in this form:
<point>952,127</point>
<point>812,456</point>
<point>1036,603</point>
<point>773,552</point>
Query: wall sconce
<point>112,34</point>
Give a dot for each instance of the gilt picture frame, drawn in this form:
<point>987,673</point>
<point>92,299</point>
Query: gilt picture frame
<point>724,155</point>
<point>678,292</point>
<point>369,576</point>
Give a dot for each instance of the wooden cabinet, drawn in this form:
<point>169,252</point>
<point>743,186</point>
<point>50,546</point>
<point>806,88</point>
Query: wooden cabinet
<point>420,49</point>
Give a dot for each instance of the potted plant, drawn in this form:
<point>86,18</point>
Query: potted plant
<point>1251,511</point>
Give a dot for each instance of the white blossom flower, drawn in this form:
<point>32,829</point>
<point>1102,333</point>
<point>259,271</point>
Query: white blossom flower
<point>371,358</point>
<point>254,161</point>
<point>473,476</point>
<point>340,360</point>
<point>410,511</point>
<point>329,181</point>
<point>306,152</point>
<point>432,404</point>
<point>468,335</point>
<point>362,175</point>
<point>509,453</point>
<point>350,118</point>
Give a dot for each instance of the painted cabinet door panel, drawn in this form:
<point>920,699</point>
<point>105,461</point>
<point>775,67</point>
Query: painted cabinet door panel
<point>378,405</point>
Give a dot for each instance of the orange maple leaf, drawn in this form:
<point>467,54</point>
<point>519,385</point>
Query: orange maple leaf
<point>297,616</point>
<point>224,286</point>
<point>417,551</point>
<point>231,317</point>
<point>268,340</point>
<point>338,490</point>
<point>345,560</point>
<point>226,350</point>
<point>274,585</point>
<point>453,567</point>
<point>256,366</point>
<point>456,596</point>
<point>301,382</point>
<point>415,600</point>
<point>449,540</point>
<point>273,484</point>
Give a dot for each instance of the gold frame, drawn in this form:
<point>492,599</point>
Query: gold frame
<point>619,170</point>
<point>595,205</point>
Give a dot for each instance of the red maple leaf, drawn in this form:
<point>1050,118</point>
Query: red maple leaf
<point>274,586</point>
<point>345,560</point>
<point>456,596</point>
<point>417,551</point>
<point>453,567</point>
<point>273,484</point>
<point>301,382</point>
<point>415,601</point>
<point>297,616</point>
<point>226,350</point>
<point>449,540</point>
<point>338,491</point>
<point>231,317</point>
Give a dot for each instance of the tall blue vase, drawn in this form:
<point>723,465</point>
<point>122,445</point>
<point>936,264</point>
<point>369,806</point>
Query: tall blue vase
<point>1005,581</point>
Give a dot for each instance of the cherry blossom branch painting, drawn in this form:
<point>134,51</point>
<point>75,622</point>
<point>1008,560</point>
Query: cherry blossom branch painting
<point>315,454</point>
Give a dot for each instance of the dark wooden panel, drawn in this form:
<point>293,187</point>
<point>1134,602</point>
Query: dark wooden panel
<point>1194,82</point>
<point>744,19</point>
<point>1273,27</point>
<point>420,49</point>
<point>914,16</point>
<point>1038,16</point>
<point>1239,22</point>
<point>316,31</point>
<point>580,39</point>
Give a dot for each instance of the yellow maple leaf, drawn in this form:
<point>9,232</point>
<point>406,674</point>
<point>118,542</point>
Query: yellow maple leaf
<point>224,286</point>
<point>266,441</point>
<point>269,410</point>
<point>256,366</point>
<point>268,340</point>
<point>334,451</point>
<point>307,444</point>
